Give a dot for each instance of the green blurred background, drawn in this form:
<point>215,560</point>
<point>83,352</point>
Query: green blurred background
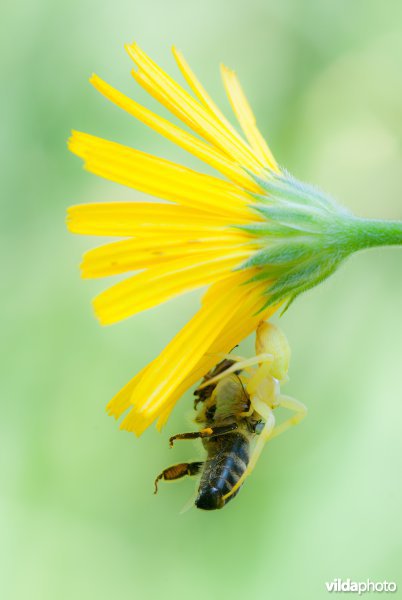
<point>78,518</point>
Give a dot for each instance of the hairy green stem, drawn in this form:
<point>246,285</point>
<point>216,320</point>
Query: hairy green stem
<point>369,233</point>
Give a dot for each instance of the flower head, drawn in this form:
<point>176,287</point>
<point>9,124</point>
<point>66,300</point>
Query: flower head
<point>256,237</point>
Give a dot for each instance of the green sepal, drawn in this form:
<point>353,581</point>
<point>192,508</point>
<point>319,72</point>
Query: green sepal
<point>305,236</point>
<point>295,218</point>
<point>266,229</point>
<point>278,254</point>
<point>285,186</point>
<point>298,280</point>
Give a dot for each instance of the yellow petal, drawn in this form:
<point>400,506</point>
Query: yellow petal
<point>243,323</point>
<point>201,93</point>
<point>160,177</point>
<point>206,152</point>
<point>162,282</point>
<point>180,357</point>
<point>239,326</point>
<point>238,301</point>
<point>122,400</point>
<point>145,219</point>
<point>140,253</point>
<point>192,112</point>
<point>246,118</point>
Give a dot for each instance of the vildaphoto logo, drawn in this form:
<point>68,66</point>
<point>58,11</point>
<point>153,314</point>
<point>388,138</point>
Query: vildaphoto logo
<point>360,587</point>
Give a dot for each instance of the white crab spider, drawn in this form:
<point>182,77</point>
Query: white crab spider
<point>265,372</point>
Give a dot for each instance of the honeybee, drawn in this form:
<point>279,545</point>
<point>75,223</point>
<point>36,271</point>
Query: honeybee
<point>238,397</point>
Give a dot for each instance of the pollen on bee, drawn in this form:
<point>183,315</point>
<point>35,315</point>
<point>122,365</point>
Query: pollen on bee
<point>207,431</point>
<point>176,471</point>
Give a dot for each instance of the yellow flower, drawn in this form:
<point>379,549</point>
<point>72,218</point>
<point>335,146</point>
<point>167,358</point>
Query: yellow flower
<point>181,245</point>
<point>256,237</point>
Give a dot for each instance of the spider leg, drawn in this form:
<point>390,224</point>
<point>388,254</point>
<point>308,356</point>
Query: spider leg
<point>259,375</point>
<point>263,390</point>
<point>240,364</point>
<point>292,404</point>
<point>267,414</point>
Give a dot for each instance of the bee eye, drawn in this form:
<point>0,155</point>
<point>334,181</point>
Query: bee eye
<point>259,426</point>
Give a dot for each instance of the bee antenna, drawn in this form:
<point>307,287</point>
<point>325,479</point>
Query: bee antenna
<point>242,385</point>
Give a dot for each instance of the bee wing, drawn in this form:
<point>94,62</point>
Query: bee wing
<point>230,396</point>
<point>189,504</point>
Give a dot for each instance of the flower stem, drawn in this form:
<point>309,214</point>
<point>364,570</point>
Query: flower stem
<point>370,233</point>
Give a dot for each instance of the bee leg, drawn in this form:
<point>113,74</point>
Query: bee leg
<point>203,433</point>
<point>178,471</point>
<point>292,404</point>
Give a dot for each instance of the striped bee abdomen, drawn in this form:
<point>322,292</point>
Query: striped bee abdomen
<point>227,459</point>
